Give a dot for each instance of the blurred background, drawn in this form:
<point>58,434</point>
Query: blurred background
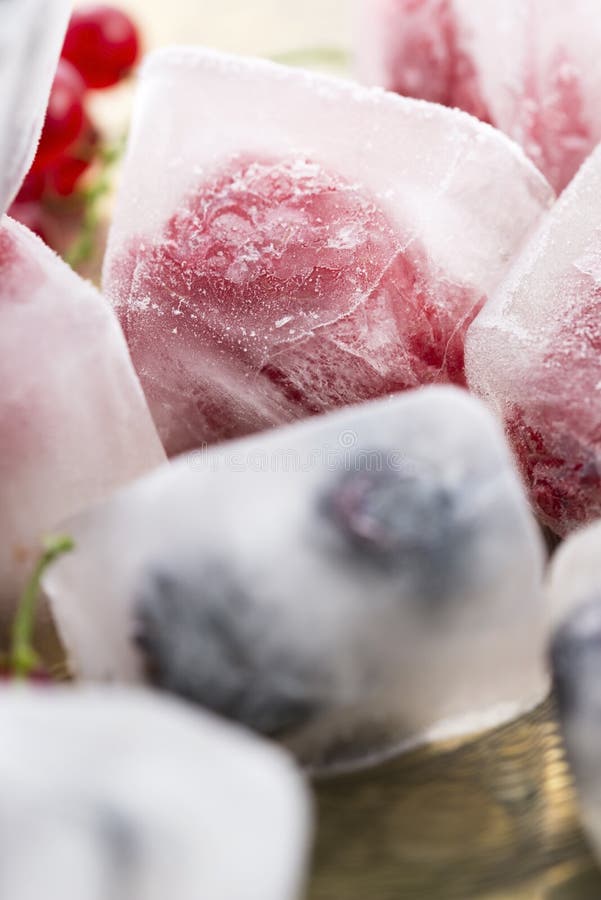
<point>315,32</point>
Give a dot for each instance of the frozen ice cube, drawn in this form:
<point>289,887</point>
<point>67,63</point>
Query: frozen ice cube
<point>109,793</point>
<point>325,244</point>
<point>575,596</point>
<point>352,584</point>
<point>74,422</point>
<point>530,67</point>
<point>534,354</point>
<point>31,36</point>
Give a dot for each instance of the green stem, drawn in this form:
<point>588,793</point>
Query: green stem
<point>82,248</point>
<point>23,658</point>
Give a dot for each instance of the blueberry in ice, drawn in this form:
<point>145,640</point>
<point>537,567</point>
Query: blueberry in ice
<point>399,518</point>
<point>204,638</point>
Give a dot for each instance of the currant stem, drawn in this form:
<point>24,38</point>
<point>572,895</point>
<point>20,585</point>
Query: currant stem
<point>83,247</point>
<point>23,658</point>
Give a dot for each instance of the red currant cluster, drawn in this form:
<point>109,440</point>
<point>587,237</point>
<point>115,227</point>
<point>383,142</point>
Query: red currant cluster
<point>101,47</point>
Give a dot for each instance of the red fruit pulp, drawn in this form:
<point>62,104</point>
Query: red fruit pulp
<point>102,42</point>
<point>425,59</point>
<point>277,290</point>
<point>555,429</point>
<point>64,116</point>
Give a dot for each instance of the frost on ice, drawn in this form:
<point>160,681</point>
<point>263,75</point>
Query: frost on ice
<point>326,244</point>
<point>575,595</point>
<point>350,584</point>
<point>110,794</point>
<point>530,67</point>
<point>73,420</point>
<point>534,355</point>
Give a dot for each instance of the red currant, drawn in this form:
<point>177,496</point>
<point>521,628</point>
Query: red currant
<point>63,176</point>
<point>32,188</point>
<point>102,43</point>
<point>64,116</point>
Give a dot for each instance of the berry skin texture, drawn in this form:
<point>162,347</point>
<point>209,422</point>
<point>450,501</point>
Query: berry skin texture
<point>64,117</point>
<point>103,44</point>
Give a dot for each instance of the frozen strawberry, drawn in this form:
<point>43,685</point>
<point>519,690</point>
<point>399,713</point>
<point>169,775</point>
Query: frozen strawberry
<point>334,255</point>
<point>534,354</point>
<point>530,67</point>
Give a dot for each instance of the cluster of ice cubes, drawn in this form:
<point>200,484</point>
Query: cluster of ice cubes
<point>350,585</point>
<point>309,244</point>
<point>530,67</point>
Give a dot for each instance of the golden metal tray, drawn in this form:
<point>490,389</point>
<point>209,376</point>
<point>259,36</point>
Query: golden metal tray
<point>492,818</point>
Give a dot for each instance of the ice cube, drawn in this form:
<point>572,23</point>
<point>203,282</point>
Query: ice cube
<point>309,243</point>
<point>74,422</point>
<point>530,67</point>
<point>533,354</point>
<point>109,793</point>
<point>353,584</point>
<point>31,36</point>
<point>575,596</point>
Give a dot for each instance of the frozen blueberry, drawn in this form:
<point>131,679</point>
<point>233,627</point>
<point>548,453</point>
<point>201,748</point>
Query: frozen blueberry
<point>398,520</point>
<point>203,638</point>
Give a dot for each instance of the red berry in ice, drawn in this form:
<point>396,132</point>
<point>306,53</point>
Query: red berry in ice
<point>102,43</point>
<point>64,116</point>
<point>279,289</point>
<point>424,58</point>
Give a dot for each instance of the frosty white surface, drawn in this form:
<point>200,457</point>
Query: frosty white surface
<point>433,198</point>
<point>351,584</point>
<point>455,183</point>
<point>31,37</point>
<point>111,794</point>
<point>575,574</point>
<point>73,420</point>
<point>574,589</point>
<point>533,354</point>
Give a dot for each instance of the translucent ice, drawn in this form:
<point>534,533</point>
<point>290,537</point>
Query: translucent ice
<point>530,67</point>
<point>354,583</point>
<point>534,354</point>
<point>115,794</point>
<point>31,36</point>
<point>575,595</point>
<point>308,243</point>
<point>73,420</point>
